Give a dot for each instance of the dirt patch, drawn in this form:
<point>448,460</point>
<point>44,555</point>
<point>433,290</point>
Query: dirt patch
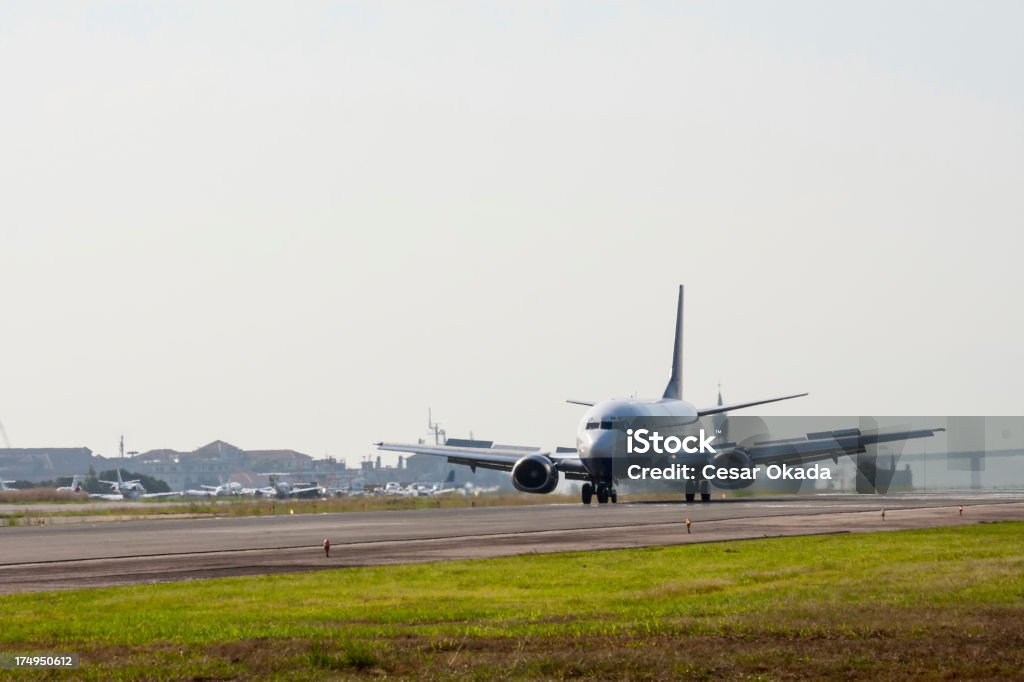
<point>918,645</point>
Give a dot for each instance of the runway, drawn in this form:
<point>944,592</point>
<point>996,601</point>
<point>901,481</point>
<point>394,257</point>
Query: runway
<point>38,558</point>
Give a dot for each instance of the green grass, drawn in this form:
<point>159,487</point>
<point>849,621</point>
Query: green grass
<point>223,507</point>
<point>913,604</point>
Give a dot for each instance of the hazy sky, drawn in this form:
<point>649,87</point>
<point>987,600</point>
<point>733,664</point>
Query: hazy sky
<point>301,224</point>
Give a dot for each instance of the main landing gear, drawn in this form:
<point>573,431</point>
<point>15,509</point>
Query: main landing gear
<point>605,493</point>
<point>703,486</point>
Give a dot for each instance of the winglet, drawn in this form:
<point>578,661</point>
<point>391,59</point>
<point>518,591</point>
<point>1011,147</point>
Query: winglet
<point>580,402</point>
<point>674,390</point>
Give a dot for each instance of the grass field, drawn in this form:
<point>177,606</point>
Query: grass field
<point>928,604</point>
<point>33,514</point>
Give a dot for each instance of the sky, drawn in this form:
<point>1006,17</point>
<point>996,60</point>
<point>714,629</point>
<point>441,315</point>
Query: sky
<point>300,225</point>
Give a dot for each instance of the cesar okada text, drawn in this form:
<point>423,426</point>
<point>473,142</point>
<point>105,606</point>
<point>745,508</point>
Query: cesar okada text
<point>644,441</point>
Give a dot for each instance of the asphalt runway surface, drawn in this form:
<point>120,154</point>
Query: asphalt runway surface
<point>34,558</point>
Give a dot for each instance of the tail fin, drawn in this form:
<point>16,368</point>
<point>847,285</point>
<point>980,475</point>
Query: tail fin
<point>451,477</point>
<point>674,390</point>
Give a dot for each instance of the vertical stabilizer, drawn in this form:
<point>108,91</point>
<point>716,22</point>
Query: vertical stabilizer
<point>674,390</point>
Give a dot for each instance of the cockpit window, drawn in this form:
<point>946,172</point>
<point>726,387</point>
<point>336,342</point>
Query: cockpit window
<point>593,425</point>
<point>607,425</point>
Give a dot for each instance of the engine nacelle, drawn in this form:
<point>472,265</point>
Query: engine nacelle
<point>535,474</point>
<point>734,469</point>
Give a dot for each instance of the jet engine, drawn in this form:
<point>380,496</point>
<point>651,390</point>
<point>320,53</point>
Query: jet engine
<point>738,460</point>
<point>534,474</point>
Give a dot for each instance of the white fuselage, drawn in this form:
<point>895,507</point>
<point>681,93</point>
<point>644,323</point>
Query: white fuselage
<point>129,490</point>
<point>601,439</point>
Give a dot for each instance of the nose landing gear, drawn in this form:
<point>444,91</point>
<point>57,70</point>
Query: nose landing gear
<point>703,486</point>
<point>605,493</point>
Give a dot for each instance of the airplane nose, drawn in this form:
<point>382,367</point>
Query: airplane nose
<point>598,444</point>
<point>596,449</point>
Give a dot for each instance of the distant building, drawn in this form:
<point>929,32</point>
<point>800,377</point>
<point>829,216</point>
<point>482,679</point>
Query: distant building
<point>219,460</point>
<point>44,464</point>
<point>287,461</point>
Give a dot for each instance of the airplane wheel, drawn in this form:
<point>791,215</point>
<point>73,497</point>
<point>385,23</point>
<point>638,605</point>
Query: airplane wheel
<point>588,493</point>
<point>614,497</point>
<point>705,497</point>
<point>689,497</point>
<point>602,495</point>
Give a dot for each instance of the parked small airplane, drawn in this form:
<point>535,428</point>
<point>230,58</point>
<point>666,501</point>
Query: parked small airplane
<point>229,488</point>
<point>75,487</point>
<point>445,487</point>
<point>284,489</point>
<point>474,490</point>
<point>199,492</point>
<point>393,489</point>
<point>266,491</point>
<point>127,490</point>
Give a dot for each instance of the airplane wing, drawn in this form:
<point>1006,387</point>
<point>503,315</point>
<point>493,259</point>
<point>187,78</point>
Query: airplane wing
<point>300,491</point>
<point>149,496</point>
<point>114,497</point>
<point>822,445</point>
<point>444,491</point>
<point>486,455</point>
<point>705,411</point>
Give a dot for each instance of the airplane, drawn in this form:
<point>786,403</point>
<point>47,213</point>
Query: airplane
<point>420,490</point>
<point>229,488</point>
<point>4,488</point>
<point>393,489</point>
<point>265,491</point>
<point>75,487</point>
<point>472,490</point>
<point>445,487</point>
<point>128,490</point>
<point>600,457</point>
<point>284,490</point>
<point>199,492</point>
<point>432,489</point>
